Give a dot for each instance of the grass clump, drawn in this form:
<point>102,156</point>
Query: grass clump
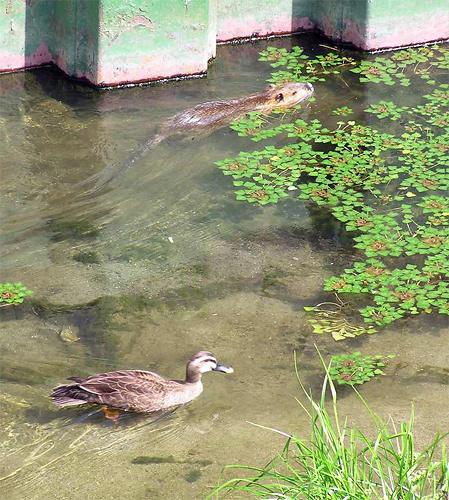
<point>340,462</point>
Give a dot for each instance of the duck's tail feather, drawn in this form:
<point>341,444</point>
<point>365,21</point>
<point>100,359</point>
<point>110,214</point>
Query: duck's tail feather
<point>66,401</point>
<point>68,395</point>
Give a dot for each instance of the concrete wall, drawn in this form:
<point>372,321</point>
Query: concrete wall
<point>18,23</point>
<point>366,24</point>
<point>245,18</point>
<point>111,42</point>
<point>36,32</point>
<point>383,24</point>
<point>108,42</point>
<point>152,39</point>
<point>392,23</point>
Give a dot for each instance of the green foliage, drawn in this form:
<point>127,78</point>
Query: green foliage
<point>366,178</point>
<point>340,461</point>
<point>386,109</point>
<point>343,111</point>
<point>333,322</point>
<point>352,369</point>
<point>300,68</point>
<point>13,294</point>
<point>401,65</point>
<point>388,68</point>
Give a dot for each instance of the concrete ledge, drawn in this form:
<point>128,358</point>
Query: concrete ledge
<point>114,42</point>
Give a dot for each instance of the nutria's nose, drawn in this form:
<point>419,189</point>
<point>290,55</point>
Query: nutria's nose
<point>309,86</point>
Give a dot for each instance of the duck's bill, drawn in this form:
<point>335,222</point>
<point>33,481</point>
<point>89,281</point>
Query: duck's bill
<point>224,369</point>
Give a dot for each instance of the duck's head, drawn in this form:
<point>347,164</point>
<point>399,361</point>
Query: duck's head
<point>204,361</point>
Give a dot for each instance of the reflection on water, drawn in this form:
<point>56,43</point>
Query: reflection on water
<point>156,265</point>
<point>63,437</point>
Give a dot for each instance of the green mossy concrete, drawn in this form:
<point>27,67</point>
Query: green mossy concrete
<point>176,32</point>
<point>108,42</point>
<point>112,42</point>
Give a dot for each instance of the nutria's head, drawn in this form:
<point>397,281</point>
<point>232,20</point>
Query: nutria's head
<point>289,94</point>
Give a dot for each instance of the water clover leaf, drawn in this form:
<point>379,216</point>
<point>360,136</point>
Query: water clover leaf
<point>343,111</point>
<point>355,369</point>
<point>386,109</point>
<point>400,66</point>
<point>13,294</point>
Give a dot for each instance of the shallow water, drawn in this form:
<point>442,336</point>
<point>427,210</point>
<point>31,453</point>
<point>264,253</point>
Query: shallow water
<point>176,265</point>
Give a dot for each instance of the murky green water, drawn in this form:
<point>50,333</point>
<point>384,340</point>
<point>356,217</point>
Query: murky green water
<point>160,263</point>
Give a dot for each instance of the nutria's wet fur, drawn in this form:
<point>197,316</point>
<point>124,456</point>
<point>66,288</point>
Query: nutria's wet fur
<point>204,118</point>
<point>216,114</point>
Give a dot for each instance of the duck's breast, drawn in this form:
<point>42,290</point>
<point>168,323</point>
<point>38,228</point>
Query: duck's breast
<point>181,393</point>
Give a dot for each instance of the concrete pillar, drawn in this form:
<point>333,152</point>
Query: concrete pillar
<point>383,24</point>
<point>109,42</point>
<point>113,42</point>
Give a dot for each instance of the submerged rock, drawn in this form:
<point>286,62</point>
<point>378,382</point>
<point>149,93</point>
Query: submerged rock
<point>68,334</point>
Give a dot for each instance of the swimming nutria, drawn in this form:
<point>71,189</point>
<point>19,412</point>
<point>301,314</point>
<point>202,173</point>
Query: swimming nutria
<point>206,117</point>
<point>215,114</point>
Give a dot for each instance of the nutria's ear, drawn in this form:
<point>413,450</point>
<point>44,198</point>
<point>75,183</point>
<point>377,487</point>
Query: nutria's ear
<point>271,86</point>
<point>279,97</point>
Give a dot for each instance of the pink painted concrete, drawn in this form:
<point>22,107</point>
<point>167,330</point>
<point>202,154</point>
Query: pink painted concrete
<point>389,35</point>
<point>418,30</point>
<point>233,29</point>
<point>60,60</point>
<point>351,34</point>
<point>154,67</point>
<point>11,62</point>
<point>329,29</point>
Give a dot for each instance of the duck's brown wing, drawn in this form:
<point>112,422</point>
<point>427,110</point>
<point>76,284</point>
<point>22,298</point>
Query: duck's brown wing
<point>127,389</point>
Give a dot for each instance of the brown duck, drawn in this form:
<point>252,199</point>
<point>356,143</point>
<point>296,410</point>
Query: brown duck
<point>138,390</point>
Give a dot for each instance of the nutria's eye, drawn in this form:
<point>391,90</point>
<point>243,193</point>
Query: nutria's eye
<point>279,98</point>
<point>294,93</point>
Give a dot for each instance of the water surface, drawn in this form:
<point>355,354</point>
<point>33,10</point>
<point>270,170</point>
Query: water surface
<point>158,264</point>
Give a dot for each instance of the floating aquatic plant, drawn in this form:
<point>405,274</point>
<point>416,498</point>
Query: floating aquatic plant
<point>328,318</point>
<point>13,294</point>
<point>300,68</point>
<point>388,68</point>
<point>400,66</point>
<point>343,111</point>
<point>386,109</point>
<point>365,177</point>
<point>355,369</point>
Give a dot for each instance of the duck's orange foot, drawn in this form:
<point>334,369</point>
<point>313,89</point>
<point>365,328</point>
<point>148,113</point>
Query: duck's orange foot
<point>111,414</point>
